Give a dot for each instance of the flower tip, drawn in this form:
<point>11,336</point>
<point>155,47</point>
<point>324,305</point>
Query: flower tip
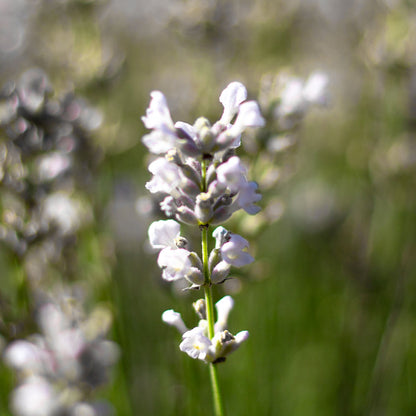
<point>225,303</point>
<point>173,318</point>
<point>241,336</point>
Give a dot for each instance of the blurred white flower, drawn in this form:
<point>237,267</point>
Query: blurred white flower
<point>35,397</point>
<point>52,165</point>
<point>197,345</point>
<point>60,210</point>
<point>315,90</point>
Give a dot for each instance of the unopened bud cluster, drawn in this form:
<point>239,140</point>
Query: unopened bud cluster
<point>203,183</point>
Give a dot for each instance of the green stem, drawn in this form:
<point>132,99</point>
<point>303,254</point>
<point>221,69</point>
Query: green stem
<point>219,410</point>
<point>209,304</point>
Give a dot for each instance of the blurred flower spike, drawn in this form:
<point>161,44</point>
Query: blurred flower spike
<point>61,366</point>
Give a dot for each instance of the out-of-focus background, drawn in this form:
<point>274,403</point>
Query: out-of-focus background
<point>330,300</point>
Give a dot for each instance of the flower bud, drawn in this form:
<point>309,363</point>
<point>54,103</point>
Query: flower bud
<point>186,215</point>
<point>214,258</point>
<point>200,308</point>
<point>206,140</point>
<point>188,147</point>
<point>211,172</point>
<point>195,260</point>
<point>200,123</point>
<point>220,272</point>
<point>203,208</point>
<point>190,173</point>
<point>216,188</point>
<point>195,276</point>
<point>189,187</point>
<point>221,215</point>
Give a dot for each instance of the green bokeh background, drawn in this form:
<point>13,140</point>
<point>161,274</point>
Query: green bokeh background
<point>329,306</point>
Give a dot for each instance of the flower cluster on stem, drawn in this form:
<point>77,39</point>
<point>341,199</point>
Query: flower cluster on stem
<point>202,182</point>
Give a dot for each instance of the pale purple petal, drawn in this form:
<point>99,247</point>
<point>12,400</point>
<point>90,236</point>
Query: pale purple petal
<point>241,337</point>
<point>159,142</point>
<point>232,174</point>
<point>157,114</point>
<point>224,307</point>
<point>231,98</point>
<point>248,196</point>
<point>167,176</point>
<point>187,128</point>
<point>173,318</point>
<point>163,233</point>
<point>23,355</point>
<point>175,263</point>
<point>235,252</point>
<point>220,234</point>
<point>248,116</point>
<point>195,344</point>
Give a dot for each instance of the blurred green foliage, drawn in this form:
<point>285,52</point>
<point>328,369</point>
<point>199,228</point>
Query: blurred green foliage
<point>329,302</point>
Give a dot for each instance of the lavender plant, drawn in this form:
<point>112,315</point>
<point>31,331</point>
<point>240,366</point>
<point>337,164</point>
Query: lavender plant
<point>47,161</point>
<point>203,183</point>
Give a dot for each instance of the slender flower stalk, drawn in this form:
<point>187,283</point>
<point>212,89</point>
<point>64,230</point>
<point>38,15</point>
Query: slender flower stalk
<point>203,183</point>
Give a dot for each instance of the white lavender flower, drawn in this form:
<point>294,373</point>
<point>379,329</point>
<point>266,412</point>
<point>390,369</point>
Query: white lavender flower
<point>164,233</point>
<point>196,342</point>
<point>231,174</point>
<point>35,397</point>
<point>175,261</point>
<point>232,247</point>
<point>166,177</point>
<point>315,90</point>
<point>234,251</point>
